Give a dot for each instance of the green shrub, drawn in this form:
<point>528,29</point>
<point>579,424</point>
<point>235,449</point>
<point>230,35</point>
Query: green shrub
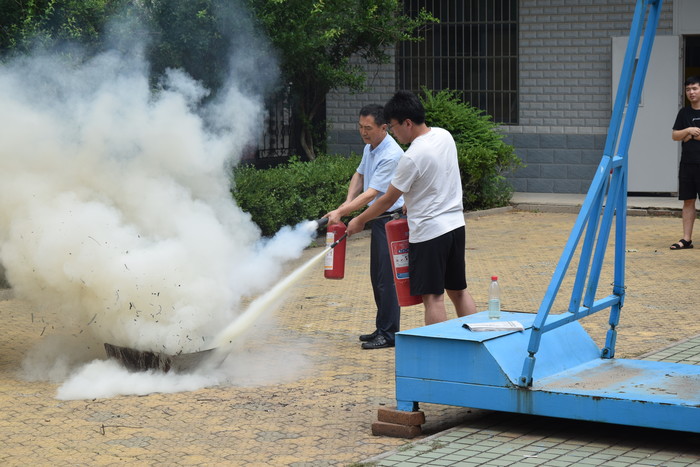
<point>483,156</point>
<point>293,192</point>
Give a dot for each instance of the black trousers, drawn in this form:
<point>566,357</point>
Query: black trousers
<point>382,277</point>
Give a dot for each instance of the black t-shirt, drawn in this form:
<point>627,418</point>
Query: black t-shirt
<point>690,150</point>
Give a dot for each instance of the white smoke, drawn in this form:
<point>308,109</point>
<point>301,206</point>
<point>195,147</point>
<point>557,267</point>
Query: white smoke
<point>115,207</point>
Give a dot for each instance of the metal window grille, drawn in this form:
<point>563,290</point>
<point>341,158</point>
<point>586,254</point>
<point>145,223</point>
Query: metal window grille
<point>473,50</point>
<point>276,140</point>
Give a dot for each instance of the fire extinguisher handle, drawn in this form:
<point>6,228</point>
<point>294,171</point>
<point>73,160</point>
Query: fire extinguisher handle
<point>333,245</point>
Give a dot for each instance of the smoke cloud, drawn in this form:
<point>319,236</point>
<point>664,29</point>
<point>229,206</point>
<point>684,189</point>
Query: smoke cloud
<point>115,212</point>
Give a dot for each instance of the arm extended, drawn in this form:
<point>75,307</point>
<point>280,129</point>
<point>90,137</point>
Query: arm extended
<point>382,204</point>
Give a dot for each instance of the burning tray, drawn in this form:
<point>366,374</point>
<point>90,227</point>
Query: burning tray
<point>144,360</point>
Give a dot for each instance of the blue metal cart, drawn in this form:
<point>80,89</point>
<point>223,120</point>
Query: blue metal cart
<point>553,367</point>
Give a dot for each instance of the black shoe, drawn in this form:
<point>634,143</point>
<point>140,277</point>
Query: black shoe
<point>369,337</point>
<point>378,342</point>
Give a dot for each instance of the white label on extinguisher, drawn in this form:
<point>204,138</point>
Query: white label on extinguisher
<point>328,263</point>
<point>399,252</point>
<point>401,260</point>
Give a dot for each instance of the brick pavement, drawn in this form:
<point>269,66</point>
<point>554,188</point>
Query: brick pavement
<point>322,414</point>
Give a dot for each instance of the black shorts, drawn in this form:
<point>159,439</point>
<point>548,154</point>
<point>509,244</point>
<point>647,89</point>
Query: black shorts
<point>438,264</point>
<point>688,181</point>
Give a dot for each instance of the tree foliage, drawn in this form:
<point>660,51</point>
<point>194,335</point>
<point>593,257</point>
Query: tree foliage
<point>313,40</point>
<point>25,24</point>
<point>316,40</point>
<point>199,36</point>
<point>194,35</point>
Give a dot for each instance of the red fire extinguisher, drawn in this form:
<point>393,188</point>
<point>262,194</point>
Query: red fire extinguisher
<point>334,266</point>
<point>397,237</point>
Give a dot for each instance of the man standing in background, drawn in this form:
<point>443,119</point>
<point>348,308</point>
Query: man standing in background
<point>687,130</point>
<point>371,180</point>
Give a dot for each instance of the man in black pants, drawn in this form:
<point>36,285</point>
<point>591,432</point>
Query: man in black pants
<point>687,130</point>
<point>371,180</point>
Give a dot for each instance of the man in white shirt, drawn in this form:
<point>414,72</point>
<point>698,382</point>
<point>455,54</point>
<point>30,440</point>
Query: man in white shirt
<point>379,159</point>
<point>428,178</point>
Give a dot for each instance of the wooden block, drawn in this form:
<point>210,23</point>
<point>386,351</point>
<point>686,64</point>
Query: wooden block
<point>395,431</point>
<point>400,417</point>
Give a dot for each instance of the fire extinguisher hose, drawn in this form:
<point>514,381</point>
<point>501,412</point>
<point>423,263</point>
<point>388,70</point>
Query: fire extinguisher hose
<point>322,222</point>
<point>335,243</point>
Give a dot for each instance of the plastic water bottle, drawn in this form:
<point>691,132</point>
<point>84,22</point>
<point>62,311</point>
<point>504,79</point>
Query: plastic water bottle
<point>494,299</point>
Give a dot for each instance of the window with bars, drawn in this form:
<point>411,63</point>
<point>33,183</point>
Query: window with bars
<point>473,50</point>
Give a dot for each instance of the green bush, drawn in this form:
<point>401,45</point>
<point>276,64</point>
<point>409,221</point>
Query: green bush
<point>484,158</point>
<point>293,192</point>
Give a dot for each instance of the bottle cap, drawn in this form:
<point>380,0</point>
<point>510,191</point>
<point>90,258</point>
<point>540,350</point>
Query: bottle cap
<point>494,278</point>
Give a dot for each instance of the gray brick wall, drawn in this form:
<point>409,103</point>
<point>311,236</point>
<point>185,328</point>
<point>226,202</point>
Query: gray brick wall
<point>343,107</point>
<point>565,61</point>
<point>556,163</point>
<point>565,91</point>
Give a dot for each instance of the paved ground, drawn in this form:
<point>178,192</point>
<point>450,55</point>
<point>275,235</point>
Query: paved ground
<point>320,413</point>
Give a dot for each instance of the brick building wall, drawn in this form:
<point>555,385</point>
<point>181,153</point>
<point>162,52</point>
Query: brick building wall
<point>343,107</point>
<point>565,91</point>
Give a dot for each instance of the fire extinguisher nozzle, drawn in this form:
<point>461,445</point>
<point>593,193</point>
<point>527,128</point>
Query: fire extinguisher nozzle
<point>321,222</point>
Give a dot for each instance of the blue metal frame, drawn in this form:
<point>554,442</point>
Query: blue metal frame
<point>444,363</point>
<point>610,178</point>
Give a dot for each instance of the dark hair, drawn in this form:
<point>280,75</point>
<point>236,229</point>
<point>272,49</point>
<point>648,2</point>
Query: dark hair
<point>692,80</point>
<point>404,105</point>
<point>376,111</point>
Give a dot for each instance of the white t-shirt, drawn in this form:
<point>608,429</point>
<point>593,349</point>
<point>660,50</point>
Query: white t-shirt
<point>428,175</point>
